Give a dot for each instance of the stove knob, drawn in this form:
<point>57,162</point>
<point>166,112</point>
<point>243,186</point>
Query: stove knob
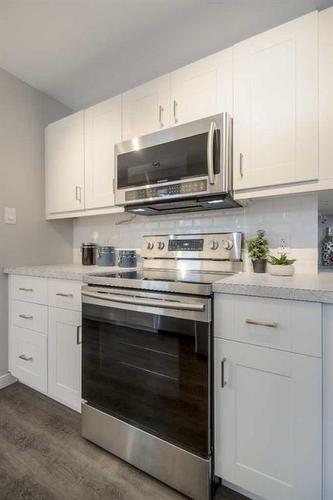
<point>161,245</point>
<point>213,245</point>
<point>150,245</point>
<point>227,245</point>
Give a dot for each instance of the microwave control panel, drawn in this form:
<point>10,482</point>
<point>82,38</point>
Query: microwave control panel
<point>190,187</point>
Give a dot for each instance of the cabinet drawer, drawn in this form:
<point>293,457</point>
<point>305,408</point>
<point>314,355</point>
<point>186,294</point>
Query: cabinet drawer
<point>282,324</point>
<point>29,358</point>
<point>29,315</point>
<point>65,294</point>
<point>29,289</point>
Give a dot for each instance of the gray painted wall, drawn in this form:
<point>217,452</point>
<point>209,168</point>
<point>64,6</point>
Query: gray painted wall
<point>24,112</point>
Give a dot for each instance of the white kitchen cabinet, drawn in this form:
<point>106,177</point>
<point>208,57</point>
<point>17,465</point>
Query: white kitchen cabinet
<point>64,165</point>
<point>64,356</point>
<point>28,357</point>
<point>102,132</point>
<point>276,106</point>
<point>327,402</point>
<point>146,108</point>
<point>202,89</point>
<point>325,94</point>
<point>288,325</point>
<point>268,421</point>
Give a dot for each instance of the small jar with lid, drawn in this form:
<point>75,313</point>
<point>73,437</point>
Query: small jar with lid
<point>88,254</point>
<point>106,255</point>
<point>327,248</point>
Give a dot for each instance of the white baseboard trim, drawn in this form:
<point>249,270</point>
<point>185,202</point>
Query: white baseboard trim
<point>7,379</point>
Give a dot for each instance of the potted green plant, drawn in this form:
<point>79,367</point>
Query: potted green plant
<point>281,266</point>
<point>258,249</point>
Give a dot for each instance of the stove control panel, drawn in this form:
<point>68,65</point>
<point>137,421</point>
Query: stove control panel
<point>216,246</point>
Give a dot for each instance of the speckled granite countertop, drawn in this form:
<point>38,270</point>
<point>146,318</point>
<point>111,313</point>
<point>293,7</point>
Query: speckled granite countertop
<point>307,287</point>
<point>65,271</point>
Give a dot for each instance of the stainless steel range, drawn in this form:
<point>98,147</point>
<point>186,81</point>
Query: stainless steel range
<point>147,357</point>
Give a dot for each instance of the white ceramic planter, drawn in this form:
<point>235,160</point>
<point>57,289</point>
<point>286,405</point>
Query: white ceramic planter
<point>281,270</point>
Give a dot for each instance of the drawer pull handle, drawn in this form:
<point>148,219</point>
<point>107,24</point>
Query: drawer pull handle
<point>25,357</point>
<point>223,382</point>
<point>241,170</point>
<point>78,337</point>
<point>62,294</point>
<point>26,316</point>
<point>261,323</point>
<point>22,289</point>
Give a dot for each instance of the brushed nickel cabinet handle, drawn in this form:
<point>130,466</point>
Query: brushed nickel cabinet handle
<point>25,357</point>
<point>78,193</point>
<point>223,382</point>
<point>22,289</point>
<point>160,115</point>
<point>241,170</point>
<point>261,323</point>
<point>26,316</point>
<point>175,104</point>
<point>78,339</point>
<point>63,294</point>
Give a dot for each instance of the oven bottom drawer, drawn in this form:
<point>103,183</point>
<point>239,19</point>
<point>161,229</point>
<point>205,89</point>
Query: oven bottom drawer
<point>174,466</point>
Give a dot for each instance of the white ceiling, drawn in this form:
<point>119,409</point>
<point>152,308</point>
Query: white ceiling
<point>83,51</point>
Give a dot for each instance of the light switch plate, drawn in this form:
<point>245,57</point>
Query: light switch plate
<point>10,215</point>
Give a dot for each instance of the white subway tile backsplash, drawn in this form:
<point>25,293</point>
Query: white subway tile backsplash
<point>295,216</point>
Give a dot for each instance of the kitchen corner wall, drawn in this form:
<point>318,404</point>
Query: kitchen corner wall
<point>24,112</point>
<point>293,219</point>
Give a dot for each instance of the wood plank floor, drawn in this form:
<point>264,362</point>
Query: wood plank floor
<point>43,457</point>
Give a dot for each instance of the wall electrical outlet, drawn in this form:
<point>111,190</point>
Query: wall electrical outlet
<point>283,243</point>
<point>10,215</point>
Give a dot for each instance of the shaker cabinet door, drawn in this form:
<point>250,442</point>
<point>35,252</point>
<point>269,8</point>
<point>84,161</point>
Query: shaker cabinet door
<point>268,421</point>
<point>202,89</point>
<point>64,165</point>
<point>102,132</point>
<point>276,106</point>
<point>64,356</point>
<point>146,108</point>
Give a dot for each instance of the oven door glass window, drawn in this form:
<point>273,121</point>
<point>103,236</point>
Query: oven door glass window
<point>167,162</point>
<point>150,371</point>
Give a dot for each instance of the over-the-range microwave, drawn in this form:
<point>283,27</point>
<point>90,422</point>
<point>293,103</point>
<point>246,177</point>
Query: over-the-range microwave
<point>179,169</point>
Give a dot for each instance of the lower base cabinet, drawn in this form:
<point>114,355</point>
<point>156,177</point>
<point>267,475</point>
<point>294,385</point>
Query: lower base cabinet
<point>268,411</point>
<point>64,357</point>
<point>28,356</point>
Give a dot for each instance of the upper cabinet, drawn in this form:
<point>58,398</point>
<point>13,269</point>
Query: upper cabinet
<point>202,89</point>
<point>79,162</point>
<point>102,132</point>
<point>325,93</point>
<point>270,85</point>
<point>64,165</point>
<point>276,106</point>
<point>146,108</point>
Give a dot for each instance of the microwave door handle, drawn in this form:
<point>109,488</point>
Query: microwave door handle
<point>210,153</point>
<point>165,304</point>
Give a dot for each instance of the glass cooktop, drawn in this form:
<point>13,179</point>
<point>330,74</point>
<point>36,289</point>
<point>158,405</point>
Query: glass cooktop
<point>163,275</point>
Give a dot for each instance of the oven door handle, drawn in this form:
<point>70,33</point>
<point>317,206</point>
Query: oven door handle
<point>210,153</point>
<point>166,304</point>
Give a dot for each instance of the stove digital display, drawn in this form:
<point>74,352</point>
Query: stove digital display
<point>186,245</point>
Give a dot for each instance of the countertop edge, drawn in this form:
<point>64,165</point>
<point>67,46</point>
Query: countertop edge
<point>278,292</point>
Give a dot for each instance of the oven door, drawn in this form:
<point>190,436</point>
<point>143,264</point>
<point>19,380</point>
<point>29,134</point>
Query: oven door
<point>146,361</point>
<point>190,159</point>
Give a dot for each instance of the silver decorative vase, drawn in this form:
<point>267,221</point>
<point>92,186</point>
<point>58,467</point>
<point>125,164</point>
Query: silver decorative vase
<point>327,248</point>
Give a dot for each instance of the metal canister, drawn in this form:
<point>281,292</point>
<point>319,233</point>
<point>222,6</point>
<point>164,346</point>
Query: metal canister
<point>106,256</point>
<point>88,251</point>
<point>127,258</point>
